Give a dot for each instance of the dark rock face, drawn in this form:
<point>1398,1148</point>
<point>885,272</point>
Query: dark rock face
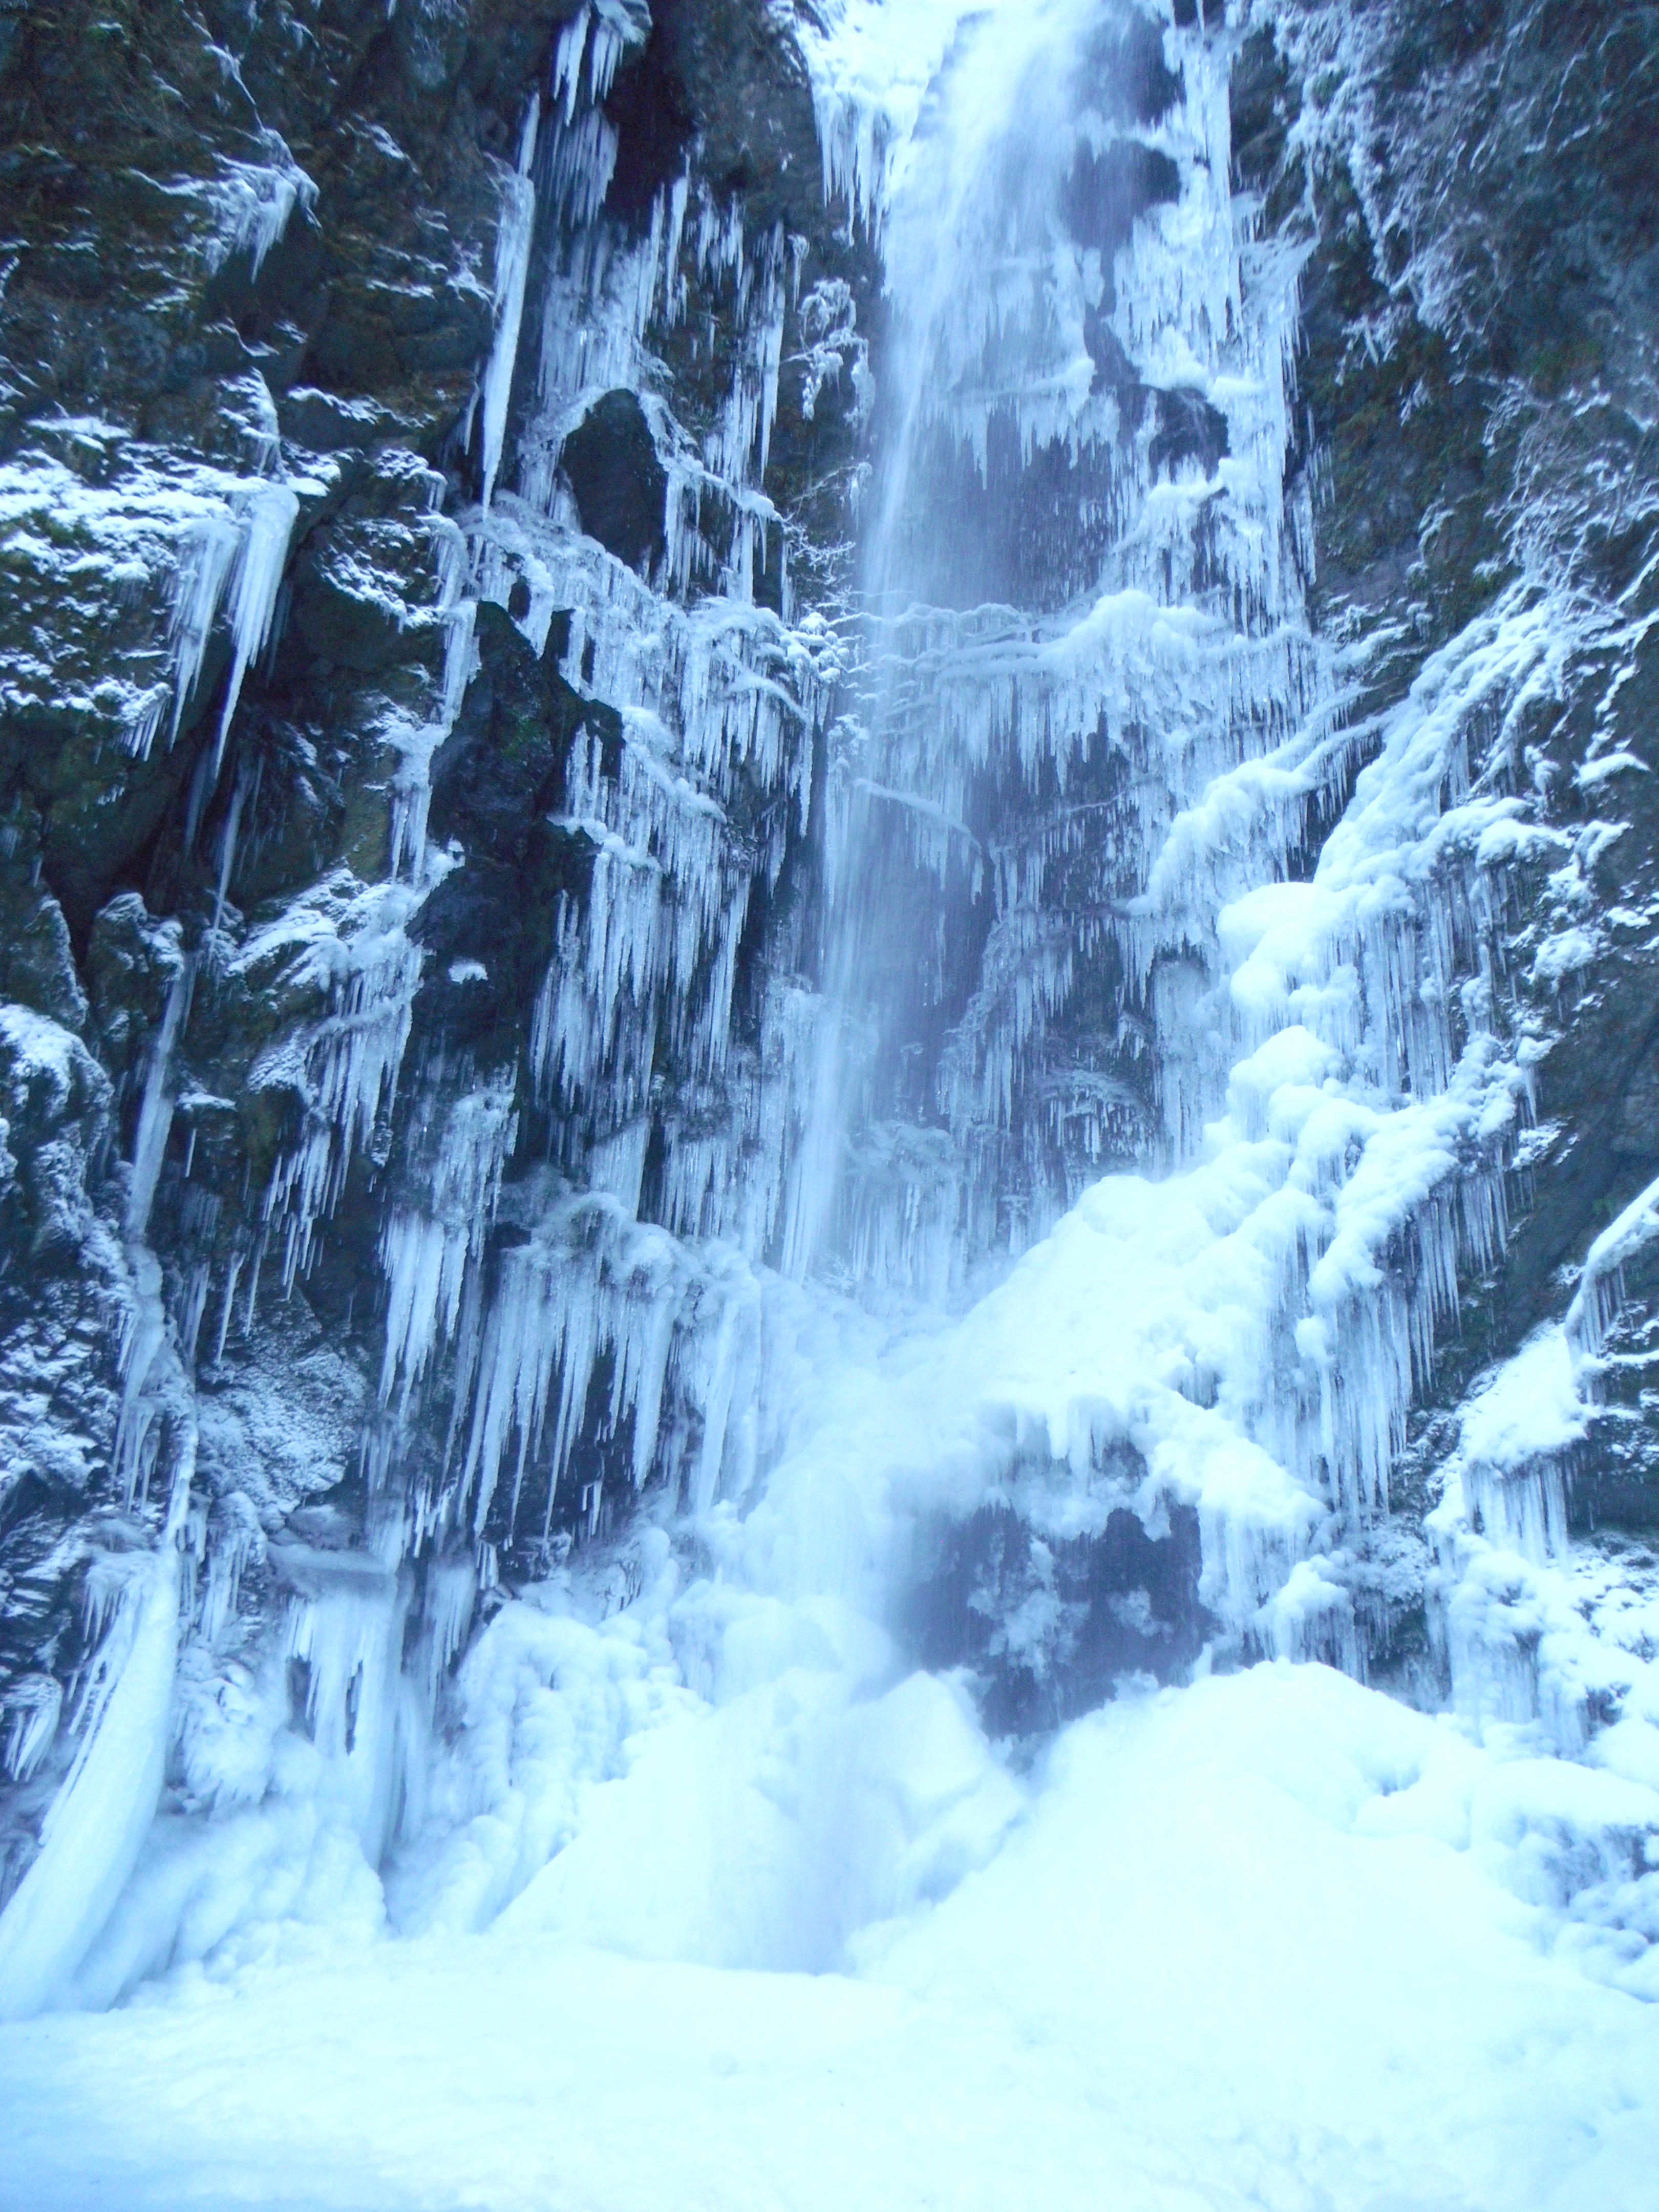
<point>1106,192</point>
<point>734,76</point>
<point>500,777</point>
<point>1188,430</point>
<point>1049,1626</point>
<point>355,334</point>
<point>257,263</point>
<point>619,482</point>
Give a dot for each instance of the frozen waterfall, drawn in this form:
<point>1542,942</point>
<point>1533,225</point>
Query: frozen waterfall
<point>875,1488</point>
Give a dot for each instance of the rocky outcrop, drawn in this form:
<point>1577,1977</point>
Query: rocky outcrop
<point>1476,359</point>
<point>244,310</point>
<point>286,752</point>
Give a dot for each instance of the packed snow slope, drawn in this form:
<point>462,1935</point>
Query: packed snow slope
<point>1257,1941</point>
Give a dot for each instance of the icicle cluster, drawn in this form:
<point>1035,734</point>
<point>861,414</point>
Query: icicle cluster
<point>347,944</point>
<point>581,1328</point>
<point>233,555</point>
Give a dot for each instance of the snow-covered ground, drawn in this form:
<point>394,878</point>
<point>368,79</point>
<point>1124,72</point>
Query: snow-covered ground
<point>1262,1942</point>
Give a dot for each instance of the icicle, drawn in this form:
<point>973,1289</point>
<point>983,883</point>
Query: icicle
<point>568,60</point>
<point>239,545</point>
<point>418,743</point>
<point>96,1825</point>
<point>512,239</point>
<point>346,1624</point>
<point>617,25</point>
<point>581,166</point>
<point>1600,1289</point>
<point>268,518</point>
<point>33,1704</point>
<point>155,1113</point>
<point>592,1284</point>
<point>254,206</point>
<point>226,1309</point>
<point>344,1065</point>
<point>247,785</point>
<point>428,1253</point>
<point>205,561</point>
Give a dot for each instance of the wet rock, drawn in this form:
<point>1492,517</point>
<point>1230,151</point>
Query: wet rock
<point>619,484</point>
<point>1188,430</point>
<point>1108,192</point>
<point>1050,1625</point>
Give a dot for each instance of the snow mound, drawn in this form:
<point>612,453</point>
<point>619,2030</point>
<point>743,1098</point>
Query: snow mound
<point>1245,1945</point>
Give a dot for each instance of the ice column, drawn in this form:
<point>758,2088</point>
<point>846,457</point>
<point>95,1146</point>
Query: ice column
<point>512,240</point>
